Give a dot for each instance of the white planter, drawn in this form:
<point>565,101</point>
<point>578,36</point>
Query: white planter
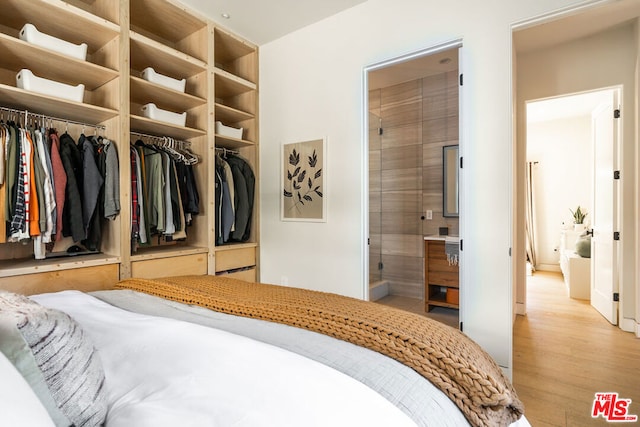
<point>579,227</point>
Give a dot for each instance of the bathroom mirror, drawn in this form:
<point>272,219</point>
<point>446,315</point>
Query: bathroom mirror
<point>450,181</point>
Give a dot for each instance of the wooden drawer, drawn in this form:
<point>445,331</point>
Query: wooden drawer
<point>444,278</point>
<point>172,266</point>
<point>84,279</point>
<point>230,259</point>
<point>247,275</point>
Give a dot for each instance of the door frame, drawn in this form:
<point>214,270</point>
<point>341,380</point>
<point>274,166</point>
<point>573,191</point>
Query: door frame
<point>632,244</point>
<point>452,44</point>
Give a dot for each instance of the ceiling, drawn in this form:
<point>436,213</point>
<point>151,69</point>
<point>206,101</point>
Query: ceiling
<point>578,24</point>
<point>262,21</point>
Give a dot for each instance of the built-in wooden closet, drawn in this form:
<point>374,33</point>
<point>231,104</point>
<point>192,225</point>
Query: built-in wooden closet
<point>124,37</point>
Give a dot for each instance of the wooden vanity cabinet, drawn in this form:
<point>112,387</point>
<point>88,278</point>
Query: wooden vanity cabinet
<point>441,279</point>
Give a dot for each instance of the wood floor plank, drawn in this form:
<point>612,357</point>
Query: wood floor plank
<point>565,352</point>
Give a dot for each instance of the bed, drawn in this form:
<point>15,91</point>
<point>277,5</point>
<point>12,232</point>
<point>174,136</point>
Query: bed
<point>216,351</point>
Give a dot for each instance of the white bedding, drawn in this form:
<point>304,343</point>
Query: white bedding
<point>164,372</point>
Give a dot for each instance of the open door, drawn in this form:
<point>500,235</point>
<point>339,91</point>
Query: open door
<point>604,271</point>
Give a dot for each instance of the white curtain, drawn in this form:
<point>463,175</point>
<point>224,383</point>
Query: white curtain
<point>530,229</point>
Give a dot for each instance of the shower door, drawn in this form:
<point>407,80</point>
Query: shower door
<point>375,243</point>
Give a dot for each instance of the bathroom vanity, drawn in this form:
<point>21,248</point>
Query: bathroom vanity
<point>441,278</point>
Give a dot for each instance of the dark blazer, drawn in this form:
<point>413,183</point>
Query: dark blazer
<point>72,222</point>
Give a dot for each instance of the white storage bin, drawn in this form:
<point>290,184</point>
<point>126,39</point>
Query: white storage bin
<point>151,111</point>
<point>30,33</point>
<point>152,76</point>
<point>228,131</point>
<point>26,80</point>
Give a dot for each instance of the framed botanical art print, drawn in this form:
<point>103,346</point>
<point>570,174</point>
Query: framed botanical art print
<point>303,196</point>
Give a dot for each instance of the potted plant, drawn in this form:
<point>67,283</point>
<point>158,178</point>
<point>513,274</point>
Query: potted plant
<point>578,218</point>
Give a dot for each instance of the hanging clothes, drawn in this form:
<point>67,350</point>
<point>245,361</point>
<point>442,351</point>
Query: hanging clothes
<point>59,180</point>
<point>164,192</point>
<point>72,220</point>
<point>109,153</point>
<point>244,180</point>
<point>52,187</point>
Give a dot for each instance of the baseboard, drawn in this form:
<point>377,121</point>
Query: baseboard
<point>638,330</point>
<point>549,267</point>
<point>629,325</point>
<point>521,309</point>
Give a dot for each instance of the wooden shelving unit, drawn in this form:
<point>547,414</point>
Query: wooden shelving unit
<point>441,279</point>
<point>235,76</point>
<point>124,37</point>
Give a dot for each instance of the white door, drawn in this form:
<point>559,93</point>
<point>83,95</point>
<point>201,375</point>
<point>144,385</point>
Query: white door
<point>604,275</point>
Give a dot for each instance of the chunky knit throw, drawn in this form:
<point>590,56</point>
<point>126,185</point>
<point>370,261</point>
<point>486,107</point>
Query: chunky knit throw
<point>443,355</point>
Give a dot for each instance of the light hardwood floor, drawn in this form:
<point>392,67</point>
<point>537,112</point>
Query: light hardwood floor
<point>563,353</point>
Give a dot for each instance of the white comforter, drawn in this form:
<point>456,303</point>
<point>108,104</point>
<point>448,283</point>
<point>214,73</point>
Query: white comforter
<point>165,372</point>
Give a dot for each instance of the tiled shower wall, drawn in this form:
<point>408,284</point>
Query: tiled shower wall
<point>418,117</point>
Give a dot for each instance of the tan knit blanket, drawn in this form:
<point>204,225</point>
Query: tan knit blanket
<point>443,355</point>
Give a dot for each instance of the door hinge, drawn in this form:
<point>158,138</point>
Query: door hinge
<point>616,113</point>
<point>509,251</point>
<point>616,297</point>
<point>460,162</point>
<point>380,266</point>
<point>460,244</point>
<point>368,241</point>
<point>616,235</point>
<point>461,327</point>
<point>616,174</point>
<point>380,131</point>
<point>461,79</point>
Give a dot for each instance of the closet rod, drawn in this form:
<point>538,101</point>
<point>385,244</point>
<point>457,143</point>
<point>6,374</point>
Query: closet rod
<point>227,150</point>
<point>28,113</point>
<point>159,138</point>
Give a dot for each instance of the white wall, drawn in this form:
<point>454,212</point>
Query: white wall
<point>311,85</point>
<point>563,179</point>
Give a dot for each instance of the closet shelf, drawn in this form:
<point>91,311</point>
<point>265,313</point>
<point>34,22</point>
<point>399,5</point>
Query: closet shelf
<point>155,127</point>
<point>146,52</point>
<point>233,143</point>
<point>53,17</point>
<point>156,252</point>
<point>166,21</point>
<point>232,246</point>
<point>82,112</point>
<point>228,47</point>
<point>18,54</point>
<point>17,267</point>
<point>143,91</point>
<point>228,84</point>
<point>228,114</point>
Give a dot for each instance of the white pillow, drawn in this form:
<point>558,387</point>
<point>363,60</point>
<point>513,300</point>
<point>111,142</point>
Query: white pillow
<point>19,405</point>
<point>55,357</point>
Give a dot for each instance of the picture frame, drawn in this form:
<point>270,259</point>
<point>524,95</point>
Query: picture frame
<point>303,181</point>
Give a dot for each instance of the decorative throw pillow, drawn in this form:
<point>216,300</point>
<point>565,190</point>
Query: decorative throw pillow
<point>583,246</point>
<point>56,358</point>
<point>19,405</point>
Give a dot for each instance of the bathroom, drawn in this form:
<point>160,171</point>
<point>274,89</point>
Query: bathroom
<point>413,116</point>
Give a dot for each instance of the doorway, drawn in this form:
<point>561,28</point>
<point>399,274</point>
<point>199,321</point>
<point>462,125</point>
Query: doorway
<point>572,57</point>
<point>412,114</point>
<point>565,148</point>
